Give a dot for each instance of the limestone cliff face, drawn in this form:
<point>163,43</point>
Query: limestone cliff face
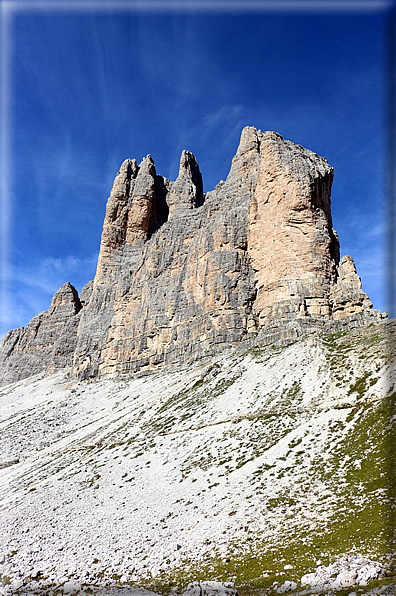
<point>182,274</point>
<point>292,245</point>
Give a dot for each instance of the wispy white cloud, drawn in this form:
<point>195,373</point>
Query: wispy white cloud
<point>34,285</point>
<point>5,123</point>
<point>223,114</point>
<point>46,273</point>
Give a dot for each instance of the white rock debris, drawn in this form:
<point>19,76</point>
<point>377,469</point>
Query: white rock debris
<point>345,572</point>
<point>144,477</point>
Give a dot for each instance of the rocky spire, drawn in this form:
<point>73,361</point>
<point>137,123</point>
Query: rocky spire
<point>346,296</point>
<point>141,203</point>
<point>242,177</point>
<point>129,212</point>
<point>187,190</point>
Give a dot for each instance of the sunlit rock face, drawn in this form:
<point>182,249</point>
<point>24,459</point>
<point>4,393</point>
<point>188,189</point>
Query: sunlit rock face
<point>292,245</point>
<point>182,274</point>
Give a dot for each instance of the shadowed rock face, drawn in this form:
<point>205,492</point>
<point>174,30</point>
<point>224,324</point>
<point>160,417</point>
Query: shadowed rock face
<point>186,289</point>
<point>187,191</point>
<point>182,275</point>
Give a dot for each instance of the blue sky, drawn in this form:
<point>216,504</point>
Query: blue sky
<point>85,86</point>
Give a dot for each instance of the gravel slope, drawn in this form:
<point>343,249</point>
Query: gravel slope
<point>248,468</point>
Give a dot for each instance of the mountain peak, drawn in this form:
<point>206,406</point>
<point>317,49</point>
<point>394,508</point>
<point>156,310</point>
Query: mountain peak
<point>182,276</point>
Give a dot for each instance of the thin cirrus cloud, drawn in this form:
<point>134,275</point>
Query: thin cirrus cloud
<point>42,275</point>
<point>34,286</point>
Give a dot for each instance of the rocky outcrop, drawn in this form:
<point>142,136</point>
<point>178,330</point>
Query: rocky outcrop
<point>350,570</point>
<point>346,296</point>
<point>182,274</point>
<point>86,293</point>
<point>48,342</point>
<point>252,261</point>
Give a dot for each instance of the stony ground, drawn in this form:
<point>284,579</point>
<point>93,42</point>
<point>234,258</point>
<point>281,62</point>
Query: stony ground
<point>263,468</point>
